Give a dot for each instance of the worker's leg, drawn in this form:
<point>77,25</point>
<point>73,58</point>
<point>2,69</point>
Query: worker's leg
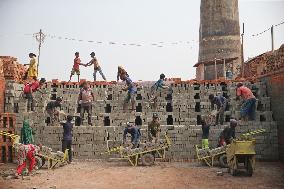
<point>244,109</point>
<point>132,96</point>
<point>102,74</point>
<point>95,75</point>
<point>205,143</point>
<point>28,97</point>
<point>82,112</point>
<point>32,160</point>
<point>221,114</point>
<point>252,109</point>
<point>89,111</point>
<point>217,118</point>
<point>21,167</point>
<point>69,147</point>
<point>72,73</point>
<point>64,145</point>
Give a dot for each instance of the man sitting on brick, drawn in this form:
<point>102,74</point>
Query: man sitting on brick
<point>132,129</point>
<point>30,88</point>
<point>85,99</point>
<point>221,103</point>
<point>51,110</point>
<point>131,91</point>
<point>248,107</point>
<point>154,129</point>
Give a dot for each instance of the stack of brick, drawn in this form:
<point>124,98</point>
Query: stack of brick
<point>12,69</point>
<point>7,124</point>
<point>179,109</point>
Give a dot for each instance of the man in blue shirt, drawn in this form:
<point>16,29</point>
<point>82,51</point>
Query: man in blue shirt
<point>67,136</point>
<point>135,134</point>
<point>131,91</point>
<point>221,103</point>
<point>160,84</point>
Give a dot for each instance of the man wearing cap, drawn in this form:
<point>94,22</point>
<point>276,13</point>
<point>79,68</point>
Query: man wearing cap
<point>51,110</point>
<point>132,129</point>
<point>249,106</point>
<point>221,103</point>
<point>228,133</point>
<point>160,84</point>
<point>154,129</point>
<point>76,66</point>
<point>30,88</point>
<point>97,67</point>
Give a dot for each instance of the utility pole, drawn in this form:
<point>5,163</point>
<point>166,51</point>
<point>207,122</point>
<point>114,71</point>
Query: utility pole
<point>40,36</point>
<point>242,51</point>
<point>272,38</point>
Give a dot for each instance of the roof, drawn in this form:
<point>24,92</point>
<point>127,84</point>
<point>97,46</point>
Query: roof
<point>218,61</point>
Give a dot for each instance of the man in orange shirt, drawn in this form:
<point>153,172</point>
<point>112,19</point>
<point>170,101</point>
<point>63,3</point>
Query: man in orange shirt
<point>76,67</point>
<point>249,106</point>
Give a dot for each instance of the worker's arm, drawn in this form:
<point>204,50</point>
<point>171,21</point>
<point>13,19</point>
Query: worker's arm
<point>90,63</point>
<point>124,135</point>
<point>79,97</point>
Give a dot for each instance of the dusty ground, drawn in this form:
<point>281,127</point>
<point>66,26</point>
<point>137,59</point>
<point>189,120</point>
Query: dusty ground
<point>118,175</point>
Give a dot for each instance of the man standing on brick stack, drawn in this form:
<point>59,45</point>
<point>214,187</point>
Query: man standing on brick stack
<point>131,91</point>
<point>97,67</point>
<point>154,129</point>
<point>160,84</point>
<point>76,67</point>
<point>30,88</point>
<point>221,103</point>
<point>248,107</point>
<point>85,99</point>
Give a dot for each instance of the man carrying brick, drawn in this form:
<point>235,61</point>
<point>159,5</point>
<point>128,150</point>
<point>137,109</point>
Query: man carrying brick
<point>221,103</point>
<point>248,107</point>
<point>131,91</point>
<point>154,129</point>
<point>67,136</point>
<point>97,67</point>
<point>51,110</point>
<point>121,71</point>
<point>160,84</point>
<point>85,99</point>
<point>30,88</point>
<point>76,66</point>
<point>132,129</point>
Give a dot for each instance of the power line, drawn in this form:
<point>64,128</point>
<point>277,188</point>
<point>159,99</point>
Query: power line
<point>254,35</point>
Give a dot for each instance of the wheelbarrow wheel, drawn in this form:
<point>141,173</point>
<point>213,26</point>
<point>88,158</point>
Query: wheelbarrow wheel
<point>223,161</point>
<point>147,159</point>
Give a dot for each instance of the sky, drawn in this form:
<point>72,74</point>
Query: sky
<point>172,24</point>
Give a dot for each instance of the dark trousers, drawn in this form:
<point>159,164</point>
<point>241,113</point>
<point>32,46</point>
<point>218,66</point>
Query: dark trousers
<point>220,115</point>
<point>30,99</point>
<point>88,109</point>
<point>66,144</point>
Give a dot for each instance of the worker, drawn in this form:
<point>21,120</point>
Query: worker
<point>160,84</point>
<point>121,71</point>
<point>205,126</point>
<point>154,129</point>
<point>132,129</point>
<point>228,133</point>
<point>97,67</point>
<point>131,91</point>
<point>32,70</point>
<point>25,152</point>
<point>27,133</point>
<point>221,103</point>
<point>85,99</point>
<point>52,111</point>
<point>249,106</point>
<point>67,136</point>
<point>30,88</point>
<point>76,66</point>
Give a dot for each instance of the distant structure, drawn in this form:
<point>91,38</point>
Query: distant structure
<point>219,40</point>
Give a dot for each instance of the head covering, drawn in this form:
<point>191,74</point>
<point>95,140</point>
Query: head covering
<point>42,80</point>
<point>76,53</point>
<point>233,122</point>
<point>239,85</point>
<point>93,54</point>
<point>32,54</point>
<point>162,76</point>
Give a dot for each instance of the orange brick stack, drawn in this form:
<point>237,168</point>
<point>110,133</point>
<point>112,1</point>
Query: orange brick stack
<point>12,69</point>
<point>7,123</point>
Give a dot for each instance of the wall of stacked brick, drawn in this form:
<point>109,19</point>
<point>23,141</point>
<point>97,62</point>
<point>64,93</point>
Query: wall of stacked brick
<point>180,114</point>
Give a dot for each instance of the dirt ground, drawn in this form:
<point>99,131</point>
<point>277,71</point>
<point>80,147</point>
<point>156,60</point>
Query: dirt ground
<point>120,175</point>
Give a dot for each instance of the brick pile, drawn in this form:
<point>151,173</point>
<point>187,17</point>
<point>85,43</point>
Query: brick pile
<point>179,109</point>
<point>12,69</point>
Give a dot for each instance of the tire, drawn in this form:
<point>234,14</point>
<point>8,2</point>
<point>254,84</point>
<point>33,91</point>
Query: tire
<point>147,159</point>
<point>38,162</point>
<point>223,161</point>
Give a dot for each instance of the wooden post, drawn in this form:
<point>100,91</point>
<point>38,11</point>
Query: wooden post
<point>39,46</point>
<point>215,64</point>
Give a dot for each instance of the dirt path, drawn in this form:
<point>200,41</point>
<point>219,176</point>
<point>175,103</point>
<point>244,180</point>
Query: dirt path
<point>119,175</point>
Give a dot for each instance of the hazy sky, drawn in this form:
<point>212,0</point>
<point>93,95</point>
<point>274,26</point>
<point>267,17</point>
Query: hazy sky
<point>141,22</point>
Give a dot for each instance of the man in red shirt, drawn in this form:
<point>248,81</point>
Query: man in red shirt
<point>76,67</point>
<point>249,106</point>
<point>30,88</point>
